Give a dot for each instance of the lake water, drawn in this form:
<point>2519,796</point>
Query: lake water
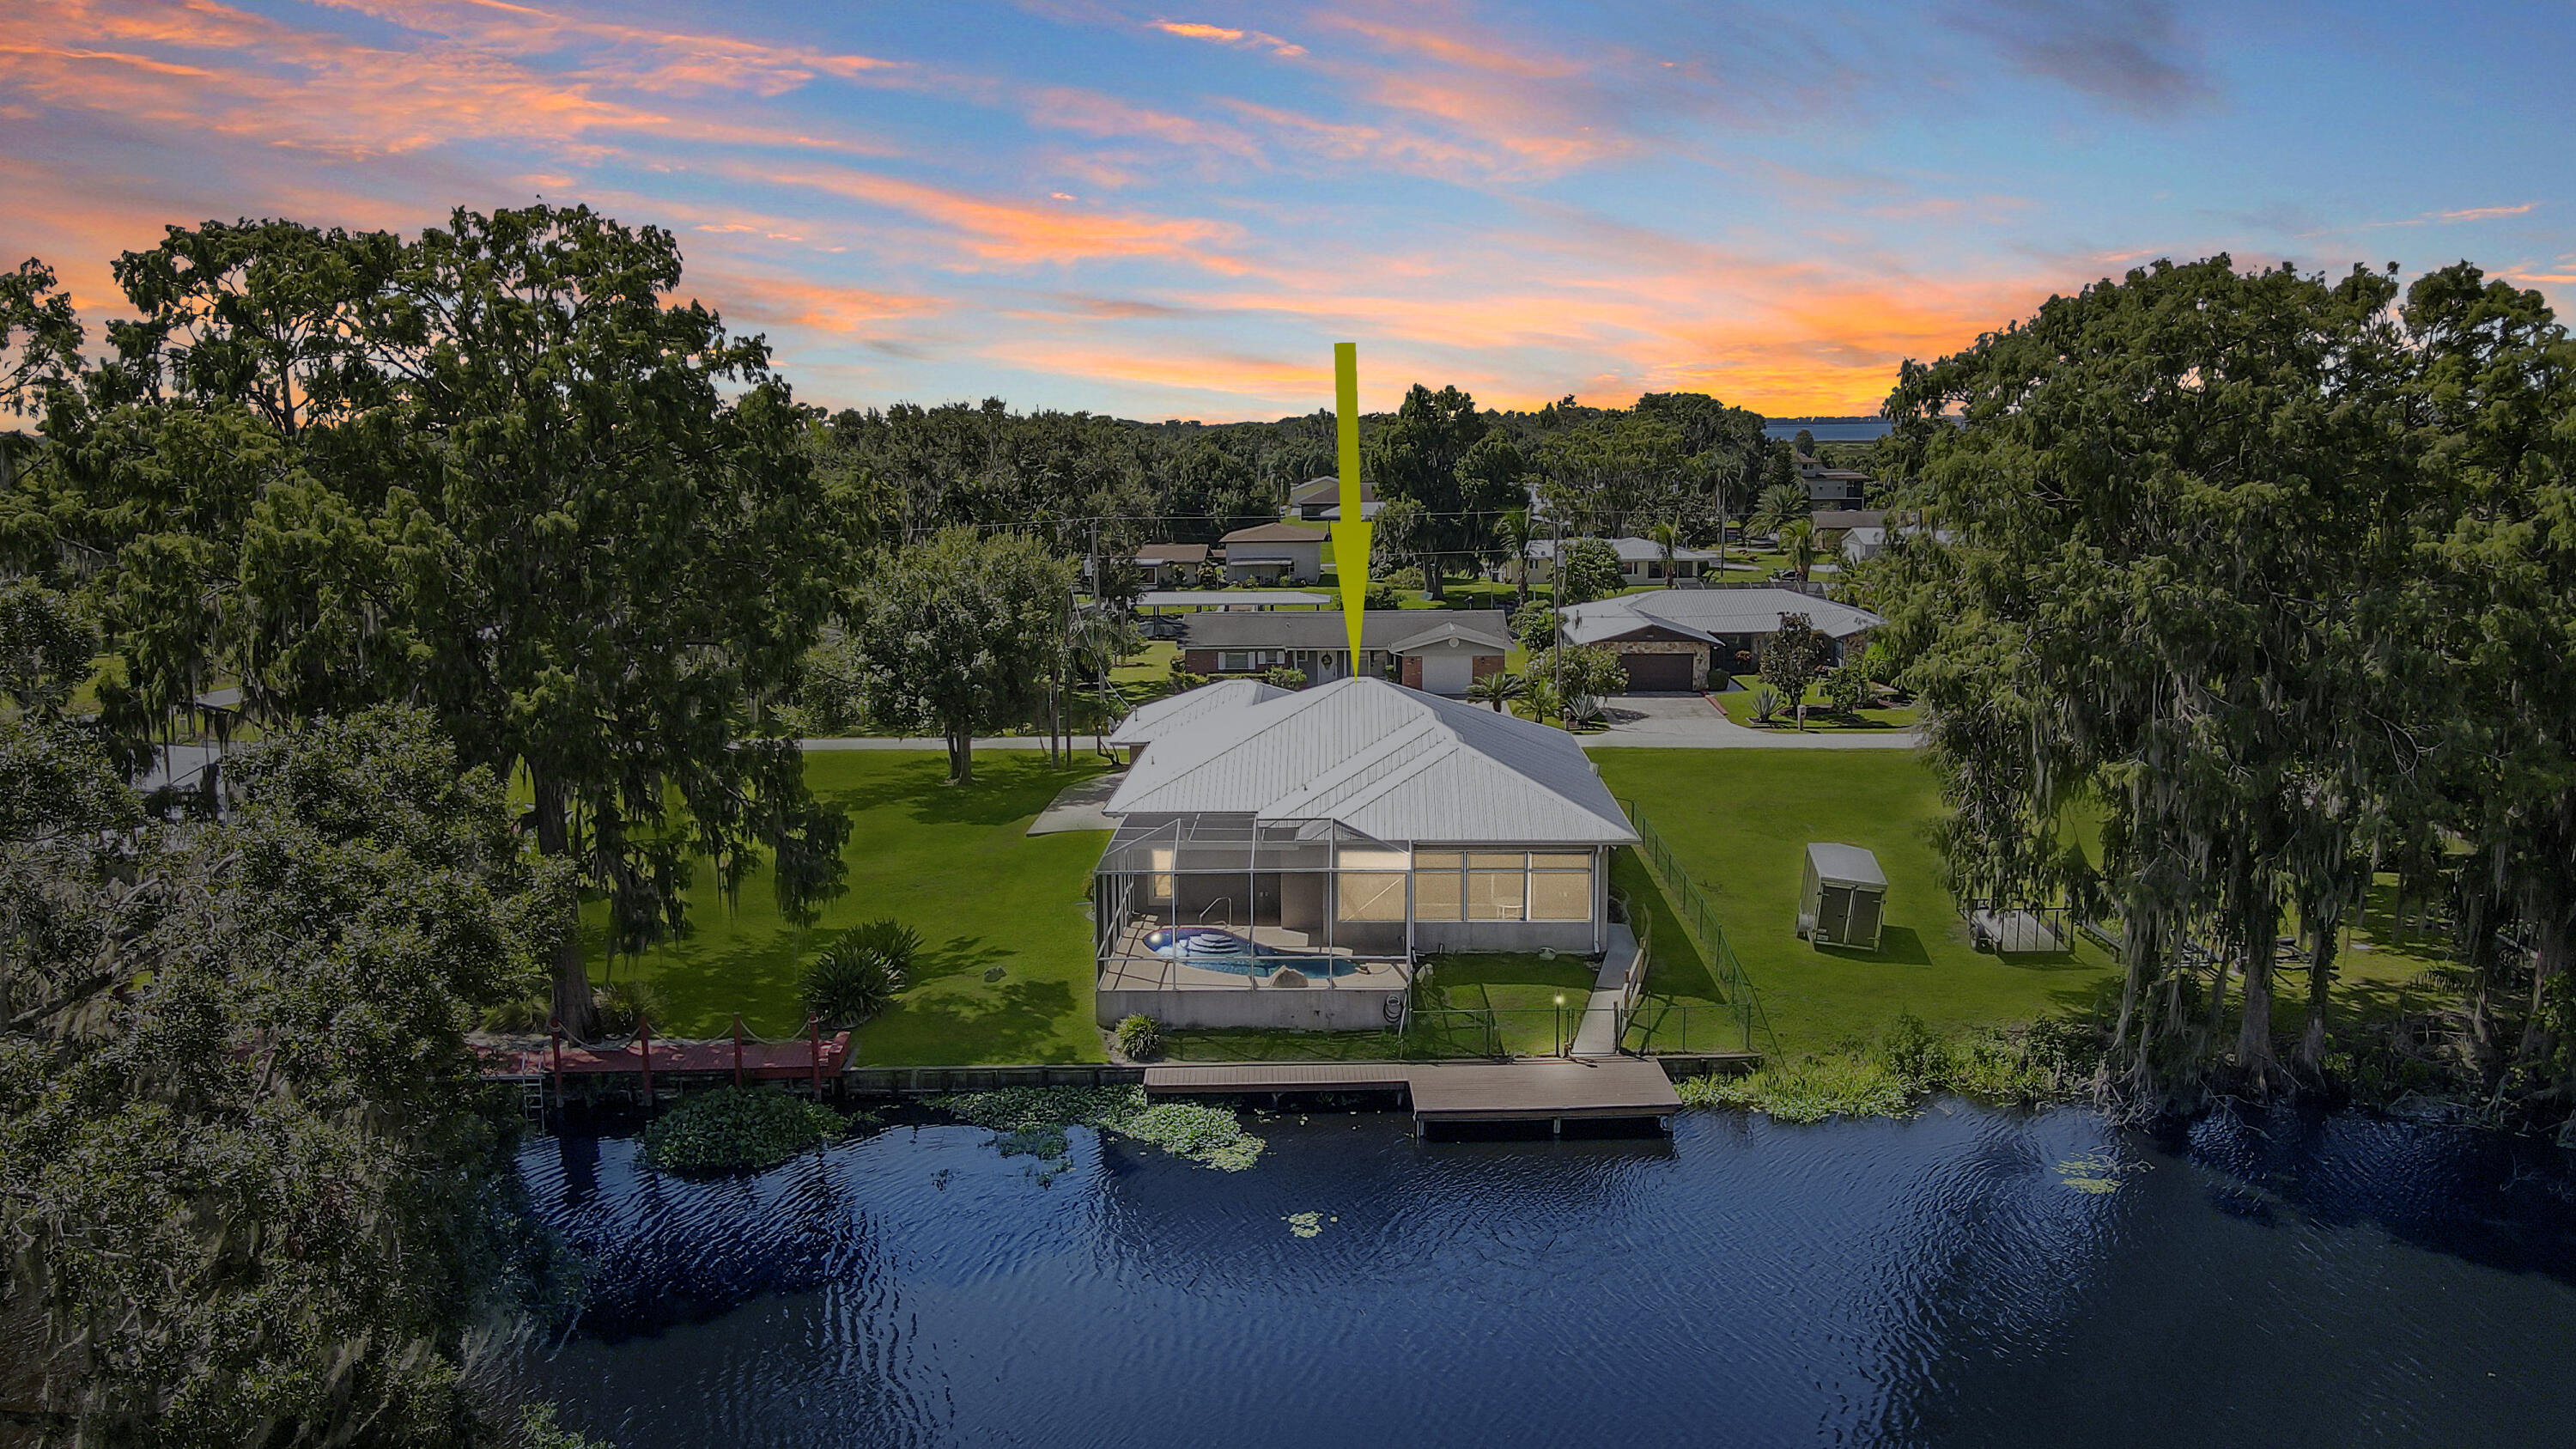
<point>1961,1278</point>
<point>1860,430</point>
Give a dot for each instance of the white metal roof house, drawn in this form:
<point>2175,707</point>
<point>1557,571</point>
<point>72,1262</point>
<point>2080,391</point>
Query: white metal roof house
<point>1675,639</point>
<point>1641,561</point>
<point>1272,553</point>
<point>1319,500</point>
<point>1281,859</point>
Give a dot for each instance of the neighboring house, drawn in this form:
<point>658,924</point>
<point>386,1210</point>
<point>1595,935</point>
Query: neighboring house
<point>1319,500</point>
<point>1641,561</point>
<point>1437,650</point>
<point>1831,487</point>
<point>1829,519</point>
<point>1680,639</point>
<point>1282,859</point>
<point>1172,563</point>
<point>1274,553</point>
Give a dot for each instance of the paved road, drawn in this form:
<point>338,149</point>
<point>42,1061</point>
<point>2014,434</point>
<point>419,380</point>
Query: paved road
<point>1691,722</point>
<point>909,742</point>
<point>1642,721</point>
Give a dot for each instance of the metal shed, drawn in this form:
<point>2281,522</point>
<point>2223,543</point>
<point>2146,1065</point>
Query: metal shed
<point>1843,898</point>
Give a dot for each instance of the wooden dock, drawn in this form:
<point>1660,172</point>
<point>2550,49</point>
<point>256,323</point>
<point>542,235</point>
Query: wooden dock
<point>1551,1090</point>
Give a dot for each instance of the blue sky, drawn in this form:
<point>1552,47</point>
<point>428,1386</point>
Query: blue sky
<point>1173,212</point>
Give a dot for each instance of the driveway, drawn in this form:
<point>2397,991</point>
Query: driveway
<point>1693,722</point>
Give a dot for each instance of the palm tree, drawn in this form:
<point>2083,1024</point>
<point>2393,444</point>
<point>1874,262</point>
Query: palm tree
<point>1778,505</point>
<point>1512,533</point>
<point>1498,689</point>
<point>1668,534</point>
<point>1099,641</point>
<point>1798,541</point>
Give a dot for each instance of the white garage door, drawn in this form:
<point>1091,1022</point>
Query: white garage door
<point>1447,673</point>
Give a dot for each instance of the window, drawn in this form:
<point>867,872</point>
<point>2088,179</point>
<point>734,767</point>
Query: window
<point>1372,895</point>
<point>1497,886</point>
<point>1371,883</point>
<point>1560,886</point>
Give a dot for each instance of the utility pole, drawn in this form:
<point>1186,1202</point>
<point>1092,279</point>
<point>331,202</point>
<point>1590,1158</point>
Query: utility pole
<point>1556,616</point>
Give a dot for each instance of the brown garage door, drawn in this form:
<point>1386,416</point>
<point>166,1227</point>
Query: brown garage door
<point>1657,673</point>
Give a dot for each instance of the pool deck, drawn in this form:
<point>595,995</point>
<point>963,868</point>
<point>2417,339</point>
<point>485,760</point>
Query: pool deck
<point>1552,1090</point>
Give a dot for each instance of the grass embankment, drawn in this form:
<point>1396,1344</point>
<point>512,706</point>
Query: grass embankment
<point>1005,972</point>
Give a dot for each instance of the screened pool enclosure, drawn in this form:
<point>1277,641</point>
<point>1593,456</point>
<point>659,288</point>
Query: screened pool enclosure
<point>1191,907</point>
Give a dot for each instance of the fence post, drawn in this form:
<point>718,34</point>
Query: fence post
<point>737,1048</point>
<point>554,1032</point>
<point>814,1038</point>
<point>644,1034</point>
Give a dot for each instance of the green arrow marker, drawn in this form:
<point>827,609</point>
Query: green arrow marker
<point>1351,530</point>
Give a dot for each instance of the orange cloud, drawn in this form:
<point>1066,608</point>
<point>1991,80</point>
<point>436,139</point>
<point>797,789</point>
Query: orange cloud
<point>1223,35</point>
<point>775,301</point>
<point>1019,233</point>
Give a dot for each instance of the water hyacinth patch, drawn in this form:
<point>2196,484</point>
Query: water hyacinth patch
<point>1033,1120</point>
<point>738,1129</point>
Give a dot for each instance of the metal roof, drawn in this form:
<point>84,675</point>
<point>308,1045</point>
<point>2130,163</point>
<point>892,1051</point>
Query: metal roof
<point>1845,865</point>
<point>1274,533</point>
<point>1709,613</point>
<point>1227,598</point>
<point>1630,550</point>
<point>1155,716</point>
<point>1390,762</point>
<point>1379,629</point>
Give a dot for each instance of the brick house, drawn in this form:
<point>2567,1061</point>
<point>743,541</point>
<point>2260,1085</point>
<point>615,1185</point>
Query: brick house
<point>1435,651</point>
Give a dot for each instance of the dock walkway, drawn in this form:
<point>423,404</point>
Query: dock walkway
<point>1553,1090</point>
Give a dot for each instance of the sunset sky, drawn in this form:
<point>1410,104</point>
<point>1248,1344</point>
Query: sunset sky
<point>1173,212</point>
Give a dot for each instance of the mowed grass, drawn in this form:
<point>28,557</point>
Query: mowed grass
<point>955,864</point>
<point>1741,821</point>
<point>1738,704</point>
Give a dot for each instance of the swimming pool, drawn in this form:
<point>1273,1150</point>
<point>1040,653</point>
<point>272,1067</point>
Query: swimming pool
<point>1213,948</point>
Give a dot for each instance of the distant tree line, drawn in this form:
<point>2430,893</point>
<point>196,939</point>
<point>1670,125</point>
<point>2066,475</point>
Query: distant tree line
<point>2273,575</point>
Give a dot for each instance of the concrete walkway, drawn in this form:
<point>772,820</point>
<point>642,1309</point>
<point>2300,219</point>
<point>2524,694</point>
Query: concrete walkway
<point>1078,808</point>
<point>1598,1035</point>
<point>1694,722</point>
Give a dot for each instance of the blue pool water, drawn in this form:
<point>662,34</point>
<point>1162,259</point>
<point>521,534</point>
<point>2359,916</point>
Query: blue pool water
<point>1211,948</point>
<point>1940,1281</point>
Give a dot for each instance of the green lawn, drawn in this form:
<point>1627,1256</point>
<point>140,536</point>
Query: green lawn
<point>1006,968</point>
<point>1741,821</point>
<point>1738,704</point>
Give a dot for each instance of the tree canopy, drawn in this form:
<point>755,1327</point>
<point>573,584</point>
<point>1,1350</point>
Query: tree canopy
<point>2230,555</point>
<point>499,472</point>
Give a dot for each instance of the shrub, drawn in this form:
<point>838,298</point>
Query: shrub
<point>1182,679</point>
<point>625,1005</point>
<point>1847,685</point>
<point>898,943</point>
<point>1807,1089</point>
<point>1285,678</point>
<point>853,979</point>
<point>737,1129</point>
<point>1534,625</point>
<point>529,1014</point>
<point>1915,1053</point>
<point>1766,704</point>
<point>1139,1039</point>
